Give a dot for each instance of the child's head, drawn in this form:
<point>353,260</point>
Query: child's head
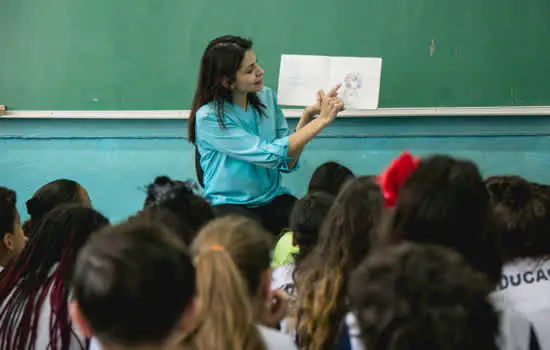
<point>522,211</point>
<point>168,218</point>
<point>308,214</point>
<point>42,272</point>
<point>329,178</point>
<point>343,242</point>
<point>49,196</point>
<point>232,258</point>
<point>133,286</point>
<point>412,297</point>
<point>245,242</point>
<point>13,239</point>
<point>445,202</point>
<point>178,197</point>
<point>228,66</point>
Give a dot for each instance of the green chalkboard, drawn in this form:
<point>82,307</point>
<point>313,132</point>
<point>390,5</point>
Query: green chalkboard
<point>144,54</point>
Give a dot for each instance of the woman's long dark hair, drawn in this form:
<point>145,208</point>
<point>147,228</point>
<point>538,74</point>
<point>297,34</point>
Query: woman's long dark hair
<point>42,275</point>
<point>221,60</point>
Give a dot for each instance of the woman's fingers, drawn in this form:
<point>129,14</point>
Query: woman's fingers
<point>334,91</point>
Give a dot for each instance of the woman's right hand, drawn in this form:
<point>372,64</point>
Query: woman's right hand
<point>330,107</point>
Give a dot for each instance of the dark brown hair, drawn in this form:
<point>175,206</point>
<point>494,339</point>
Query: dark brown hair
<point>522,210</point>
<point>306,220</point>
<point>411,297</point>
<point>8,211</point>
<point>329,177</point>
<point>177,197</point>
<point>130,274</point>
<point>46,198</point>
<point>445,202</point>
<point>221,60</point>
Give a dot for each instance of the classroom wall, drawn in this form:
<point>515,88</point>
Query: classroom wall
<point>115,159</point>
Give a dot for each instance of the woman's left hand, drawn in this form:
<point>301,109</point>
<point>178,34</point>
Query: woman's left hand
<point>315,109</point>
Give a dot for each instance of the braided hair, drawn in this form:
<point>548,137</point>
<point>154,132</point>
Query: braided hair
<point>40,277</point>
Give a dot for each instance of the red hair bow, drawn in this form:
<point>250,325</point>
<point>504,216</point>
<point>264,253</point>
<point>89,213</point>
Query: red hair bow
<point>393,178</point>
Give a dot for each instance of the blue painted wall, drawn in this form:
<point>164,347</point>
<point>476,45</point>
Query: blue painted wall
<point>115,159</point>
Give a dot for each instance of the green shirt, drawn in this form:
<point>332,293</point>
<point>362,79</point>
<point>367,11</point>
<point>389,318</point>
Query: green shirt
<point>284,251</point>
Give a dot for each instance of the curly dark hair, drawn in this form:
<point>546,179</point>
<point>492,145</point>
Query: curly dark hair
<point>410,297</point>
<point>322,277</point>
<point>173,200</point>
<point>522,210</point>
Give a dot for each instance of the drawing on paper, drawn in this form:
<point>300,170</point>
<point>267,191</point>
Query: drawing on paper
<point>353,82</point>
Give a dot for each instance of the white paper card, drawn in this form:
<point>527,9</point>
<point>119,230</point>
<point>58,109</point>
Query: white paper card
<point>302,76</point>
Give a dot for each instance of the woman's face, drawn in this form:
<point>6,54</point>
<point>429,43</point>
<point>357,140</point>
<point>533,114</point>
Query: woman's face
<point>249,77</point>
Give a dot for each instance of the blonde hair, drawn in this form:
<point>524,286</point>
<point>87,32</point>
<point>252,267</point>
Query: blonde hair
<point>231,255</point>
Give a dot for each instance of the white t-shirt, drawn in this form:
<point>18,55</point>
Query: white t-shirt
<point>515,329</point>
<point>273,340</point>
<point>281,278</point>
<point>525,285</point>
<point>354,332</point>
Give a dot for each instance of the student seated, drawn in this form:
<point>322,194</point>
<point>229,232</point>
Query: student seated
<point>412,297</point>
<point>444,201</point>
<point>328,178</point>
<point>322,277</point>
<point>173,201</point>
<point>34,290</point>
<point>232,256</point>
<point>134,287</point>
<point>13,238</point>
<point>306,219</point>
<point>523,214</point>
<point>51,195</point>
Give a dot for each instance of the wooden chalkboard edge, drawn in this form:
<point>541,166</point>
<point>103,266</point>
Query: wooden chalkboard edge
<point>290,113</point>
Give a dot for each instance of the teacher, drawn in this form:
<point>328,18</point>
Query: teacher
<point>241,136</point>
